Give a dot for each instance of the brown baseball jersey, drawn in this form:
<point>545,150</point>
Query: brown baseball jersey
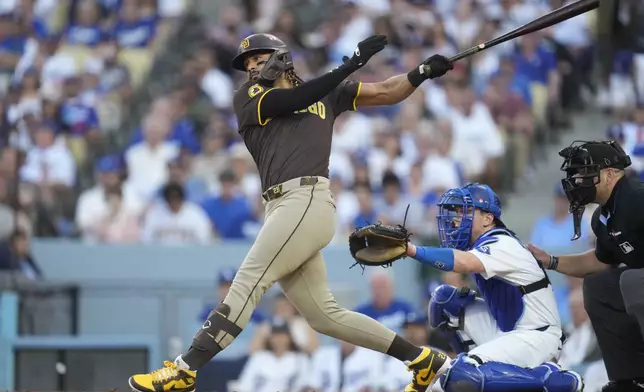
<point>293,145</point>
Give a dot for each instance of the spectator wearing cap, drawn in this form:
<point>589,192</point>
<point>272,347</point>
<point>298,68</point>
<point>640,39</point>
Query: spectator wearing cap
<point>280,367</point>
<point>147,162</point>
<point>229,211</point>
<point>175,220</point>
<point>345,367</point>
<point>85,29</point>
<point>93,202</point>
<point>384,306</point>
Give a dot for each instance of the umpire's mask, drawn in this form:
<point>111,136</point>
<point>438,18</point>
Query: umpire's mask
<point>583,162</point>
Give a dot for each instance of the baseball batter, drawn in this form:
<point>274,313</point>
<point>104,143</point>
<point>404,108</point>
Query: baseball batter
<point>287,125</point>
<point>507,338</point>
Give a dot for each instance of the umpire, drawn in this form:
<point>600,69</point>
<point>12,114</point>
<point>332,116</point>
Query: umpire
<point>613,272</point>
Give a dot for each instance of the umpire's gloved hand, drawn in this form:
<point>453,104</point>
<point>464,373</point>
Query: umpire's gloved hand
<point>434,67</point>
<point>364,51</point>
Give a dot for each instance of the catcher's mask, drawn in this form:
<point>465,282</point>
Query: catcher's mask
<point>456,213</point>
<point>583,162</point>
<point>279,62</point>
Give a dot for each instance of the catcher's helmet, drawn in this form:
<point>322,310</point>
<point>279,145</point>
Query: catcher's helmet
<point>456,213</point>
<point>256,43</point>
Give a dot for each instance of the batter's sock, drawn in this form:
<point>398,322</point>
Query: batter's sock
<point>403,350</point>
<point>196,358</point>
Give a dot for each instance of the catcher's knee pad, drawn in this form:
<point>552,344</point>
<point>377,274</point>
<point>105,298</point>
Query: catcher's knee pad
<point>447,306</point>
<point>206,338</point>
<point>558,380</point>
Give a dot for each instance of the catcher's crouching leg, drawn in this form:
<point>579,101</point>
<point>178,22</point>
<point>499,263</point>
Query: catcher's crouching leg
<point>447,313</point>
<point>207,342</point>
<point>469,374</point>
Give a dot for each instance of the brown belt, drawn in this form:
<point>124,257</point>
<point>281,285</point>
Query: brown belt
<point>279,190</point>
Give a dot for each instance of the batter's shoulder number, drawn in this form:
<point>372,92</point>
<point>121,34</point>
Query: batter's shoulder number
<point>254,90</point>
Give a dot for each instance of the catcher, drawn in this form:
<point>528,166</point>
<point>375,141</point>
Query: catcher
<point>514,331</point>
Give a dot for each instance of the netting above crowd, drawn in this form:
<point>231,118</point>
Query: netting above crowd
<point>184,176</point>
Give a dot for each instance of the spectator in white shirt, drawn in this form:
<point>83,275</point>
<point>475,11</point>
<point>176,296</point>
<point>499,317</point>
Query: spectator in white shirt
<point>147,162</point>
<point>346,368</point>
<point>49,163</point>
<point>477,142</point>
<point>394,375</point>
<point>93,204</point>
<point>118,224</point>
<point>176,221</point>
<point>281,367</point>
<point>581,345</point>
<point>394,203</point>
<point>440,170</point>
<point>213,81</point>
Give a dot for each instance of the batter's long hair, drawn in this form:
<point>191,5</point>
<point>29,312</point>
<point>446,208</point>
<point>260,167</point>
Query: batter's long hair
<point>293,77</point>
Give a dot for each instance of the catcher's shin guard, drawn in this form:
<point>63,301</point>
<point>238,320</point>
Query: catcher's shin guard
<point>469,375</point>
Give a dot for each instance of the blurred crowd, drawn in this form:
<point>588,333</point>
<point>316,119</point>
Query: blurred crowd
<point>184,177</point>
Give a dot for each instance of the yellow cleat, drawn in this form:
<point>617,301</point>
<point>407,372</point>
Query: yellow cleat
<point>168,378</point>
<point>427,368</point>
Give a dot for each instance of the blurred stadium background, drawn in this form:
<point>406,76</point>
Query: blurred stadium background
<point>104,102</point>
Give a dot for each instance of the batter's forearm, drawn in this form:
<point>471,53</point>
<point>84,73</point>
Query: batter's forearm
<point>396,89</point>
<point>579,265</point>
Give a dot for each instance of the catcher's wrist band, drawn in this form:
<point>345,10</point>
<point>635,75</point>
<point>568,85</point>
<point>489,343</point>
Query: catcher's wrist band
<point>441,258</point>
<point>416,78</point>
<point>554,262</point>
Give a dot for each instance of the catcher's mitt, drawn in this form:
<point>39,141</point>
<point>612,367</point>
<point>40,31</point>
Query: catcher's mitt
<point>378,245</point>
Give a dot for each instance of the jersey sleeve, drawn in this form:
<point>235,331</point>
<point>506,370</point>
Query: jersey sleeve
<point>247,105</point>
<point>343,97</point>
<point>504,258</point>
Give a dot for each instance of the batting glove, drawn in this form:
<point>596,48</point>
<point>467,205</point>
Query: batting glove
<point>434,67</point>
<point>364,51</point>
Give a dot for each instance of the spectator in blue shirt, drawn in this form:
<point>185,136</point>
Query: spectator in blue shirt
<point>384,307</point>
<point>77,118</point>
<point>538,63</point>
<point>195,188</point>
<point>519,83</point>
<point>366,211</point>
<point>230,210</point>
<point>85,29</point>
<point>12,42</point>
<point>183,130</point>
<point>132,30</point>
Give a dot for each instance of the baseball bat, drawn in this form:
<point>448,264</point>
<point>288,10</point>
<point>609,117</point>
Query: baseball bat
<point>552,18</point>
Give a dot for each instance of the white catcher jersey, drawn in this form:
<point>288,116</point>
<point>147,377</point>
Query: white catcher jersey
<point>509,264</point>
